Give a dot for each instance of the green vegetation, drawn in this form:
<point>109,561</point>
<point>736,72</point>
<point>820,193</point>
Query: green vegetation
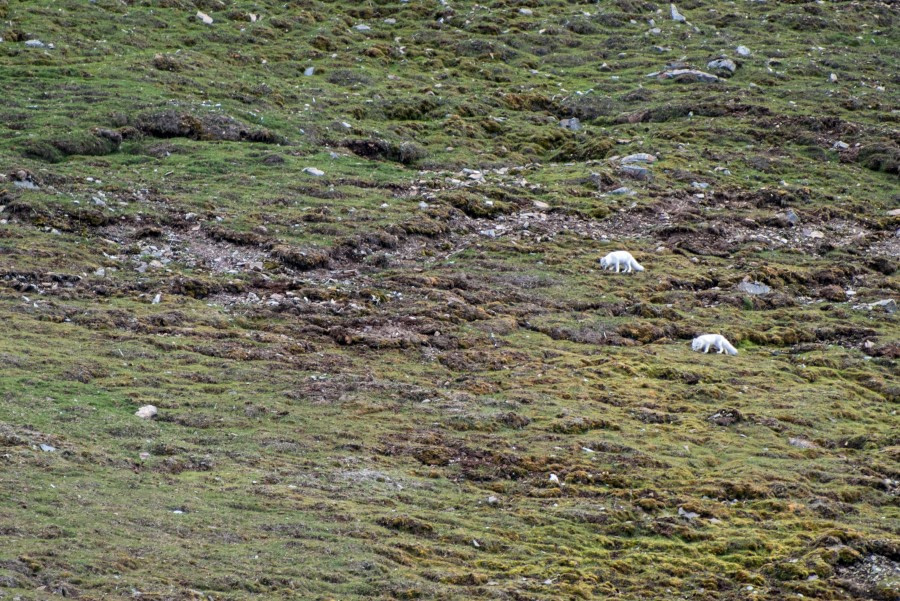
<point>366,378</point>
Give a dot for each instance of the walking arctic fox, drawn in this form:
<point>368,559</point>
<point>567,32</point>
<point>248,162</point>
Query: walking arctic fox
<point>620,257</point>
<point>717,340</point>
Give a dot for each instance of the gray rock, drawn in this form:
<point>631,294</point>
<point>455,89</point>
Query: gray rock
<point>35,44</point>
<point>700,185</point>
<point>688,515</point>
<point>390,21</point>
<point>743,51</point>
<point>622,191</point>
<point>754,288</point>
<point>362,27</point>
<point>492,500</point>
<point>313,171</point>
<point>526,11</point>
<point>725,64</point>
<point>26,184</point>
<point>47,448</point>
<point>688,75</point>
<point>309,71</point>
<point>572,124</point>
<point>888,304</point>
<point>636,172</point>
<point>840,145</point>
<point>802,443</point>
<point>640,157</point>
<point>676,16</point>
<point>792,217</point>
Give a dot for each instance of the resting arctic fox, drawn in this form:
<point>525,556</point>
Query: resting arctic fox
<point>620,257</point>
<point>717,340</point>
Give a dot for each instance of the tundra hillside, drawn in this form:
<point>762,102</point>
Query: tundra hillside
<point>350,250</point>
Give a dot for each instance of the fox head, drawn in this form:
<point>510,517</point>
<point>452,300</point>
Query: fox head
<point>696,344</point>
<point>604,262</point>
<point>638,267</point>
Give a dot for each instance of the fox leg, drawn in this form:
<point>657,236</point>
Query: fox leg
<point>617,266</point>
<point>706,348</point>
<point>721,349</point>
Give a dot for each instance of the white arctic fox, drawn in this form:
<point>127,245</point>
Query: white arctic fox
<point>702,343</point>
<point>620,257</point>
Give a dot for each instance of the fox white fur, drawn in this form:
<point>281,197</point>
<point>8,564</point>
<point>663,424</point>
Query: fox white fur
<point>704,342</point>
<point>620,258</point>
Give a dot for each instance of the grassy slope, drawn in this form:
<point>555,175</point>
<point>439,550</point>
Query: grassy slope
<point>344,377</point>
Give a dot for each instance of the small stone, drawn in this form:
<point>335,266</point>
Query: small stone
<point>313,171</point>
<point>101,272</point>
<point>888,304</point>
<point>688,515</point>
<point>700,185</point>
<point>190,216</point>
<point>754,288</point>
<point>636,172</point>
<point>802,443</point>
<point>204,17</point>
<point>390,21</point>
<point>362,27</point>
<point>157,299</point>
<point>488,233</point>
<point>622,191</point>
<point>743,51</point>
<point>572,124</point>
<point>686,75</point>
<point>814,234</point>
<point>640,157</point>
<point>309,71</point>
<point>540,205</point>
<point>792,217</point>
<point>35,44</point>
<point>676,16</point>
<point>492,500</point>
<point>47,448</point>
<point>144,456</point>
<point>832,78</point>
<point>840,145</point>
<point>725,64</point>
<point>555,479</point>
<point>147,412</point>
<point>526,11</point>
<point>25,184</point>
